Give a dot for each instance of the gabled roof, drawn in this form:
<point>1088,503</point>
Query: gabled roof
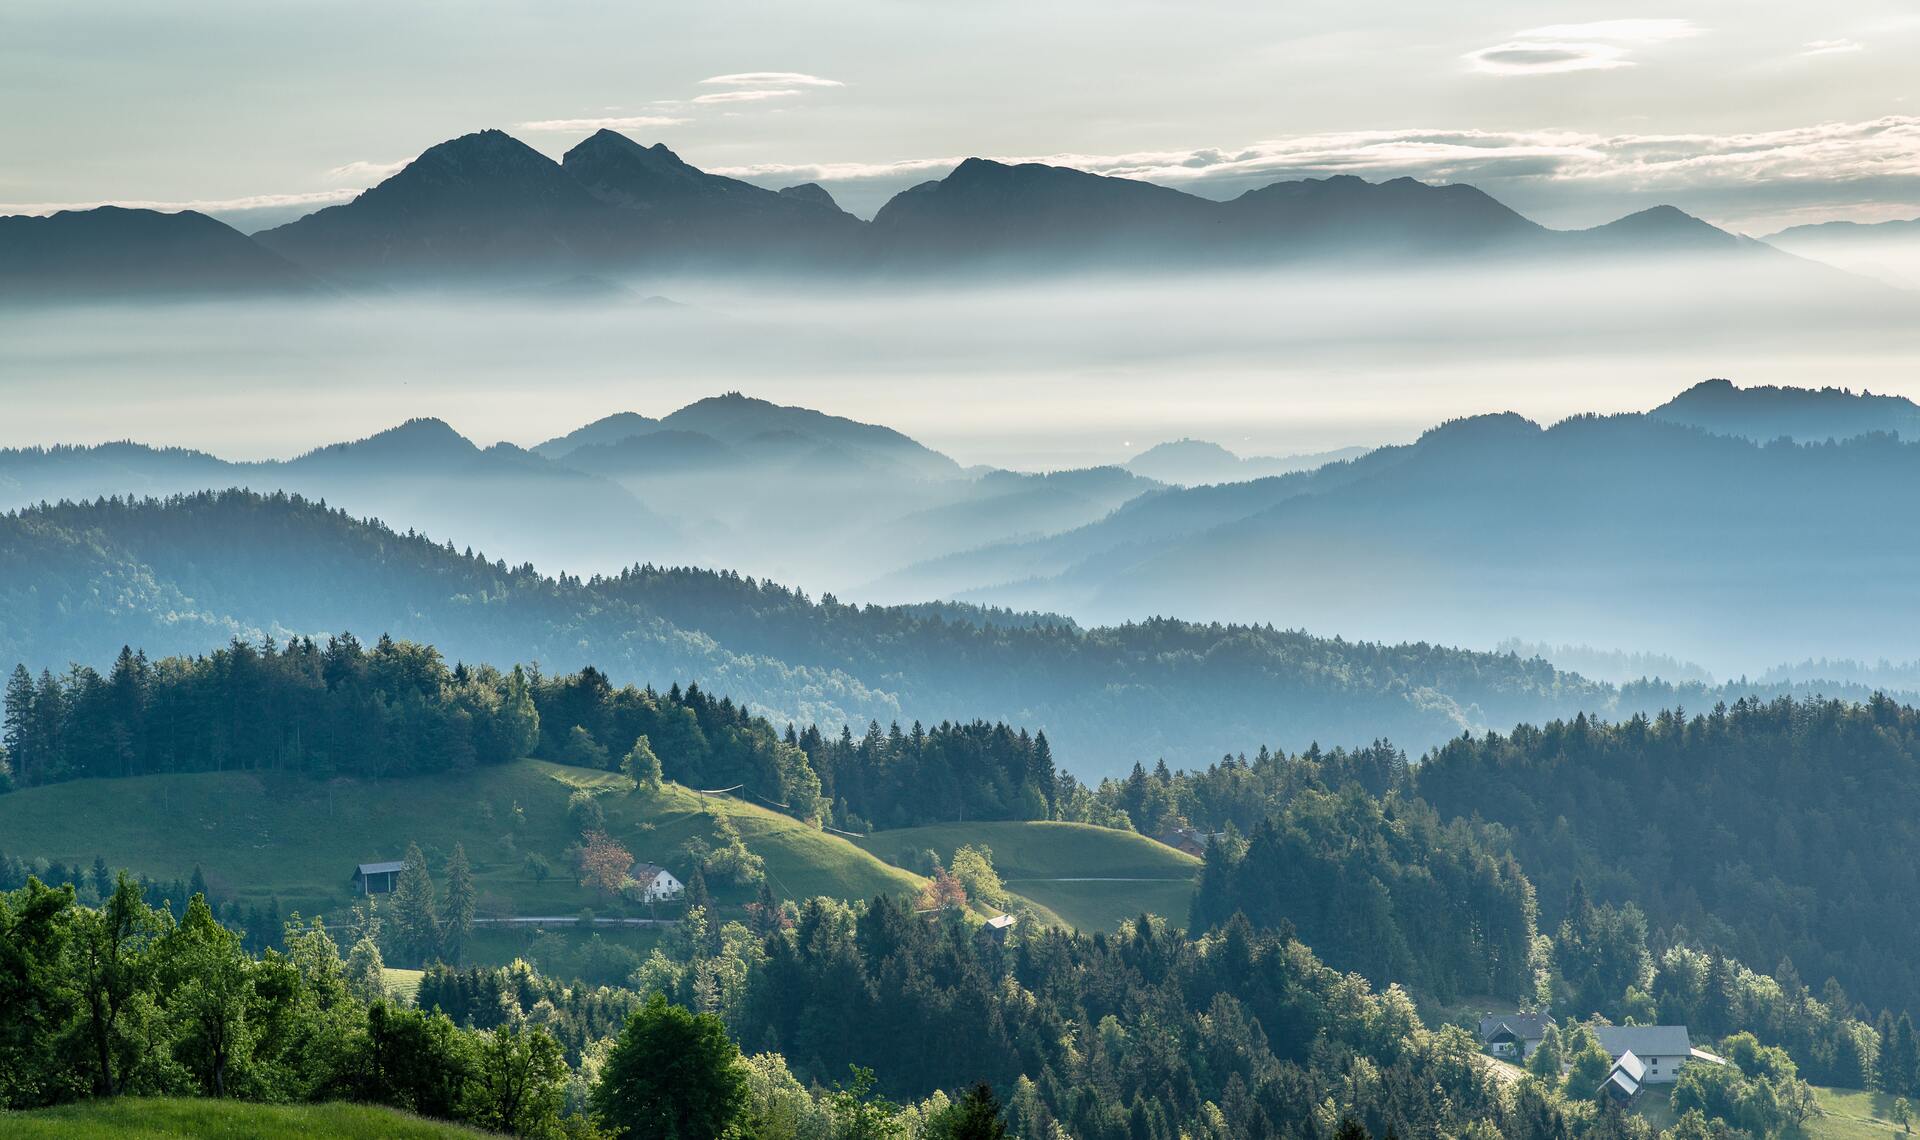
<point>1644,1040</point>
<point>1631,1066</point>
<point>1001,922</point>
<point>1522,1026</point>
<point>646,873</point>
<point>1620,1079</point>
<point>380,868</point>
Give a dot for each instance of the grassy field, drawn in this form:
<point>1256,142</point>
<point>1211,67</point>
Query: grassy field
<point>1850,1114</point>
<point>1060,866</point>
<point>261,836</point>
<point>134,1118</point>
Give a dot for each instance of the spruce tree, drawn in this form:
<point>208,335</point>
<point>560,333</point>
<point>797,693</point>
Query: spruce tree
<point>416,923</point>
<point>460,905</point>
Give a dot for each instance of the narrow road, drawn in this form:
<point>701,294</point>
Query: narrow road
<point>571,920</point>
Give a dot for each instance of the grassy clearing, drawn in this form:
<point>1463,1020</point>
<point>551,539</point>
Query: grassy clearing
<point>1851,1114</point>
<point>265,836</point>
<point>141,1118</point>
<point>1038,860</point>
<point>402,984</point>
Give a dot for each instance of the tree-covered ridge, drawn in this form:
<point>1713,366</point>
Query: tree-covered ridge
<point>339,708</point>
<point>1770,829</point>
<point>1382,888</point>
<point>190,573</point>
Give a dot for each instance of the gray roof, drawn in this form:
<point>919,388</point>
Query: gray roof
<point>1000,921</point>
<point>1523,1026</point>
<point>1644,1040</point>
<point>380,868</point>
<point>1631,1066</point>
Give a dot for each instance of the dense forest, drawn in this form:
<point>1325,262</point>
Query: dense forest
<point>397,709</point>
<point>1769,829</point>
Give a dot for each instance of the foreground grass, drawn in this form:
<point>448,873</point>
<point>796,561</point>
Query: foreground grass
<point>261,836</point>
<point>141,1118</point>
<point>1061,866</point>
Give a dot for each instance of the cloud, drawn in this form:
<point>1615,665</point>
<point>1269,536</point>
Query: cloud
<point>1831,47</point>
<point>770,79</point>
<point>1599,45</point>
<point>1821,158</point>
<point>1542,57</point>
<point>626,123</point>
<point>202,205</point>
<point>365,173</point>
<point>747,95</point>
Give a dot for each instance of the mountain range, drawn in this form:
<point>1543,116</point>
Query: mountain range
<point>1667,531</point>
<point>485,208</point>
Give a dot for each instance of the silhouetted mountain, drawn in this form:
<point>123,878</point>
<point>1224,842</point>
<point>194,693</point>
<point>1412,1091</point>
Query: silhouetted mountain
<point>485,211</point>
<point>661,452</point>
<point>987,209</point>
<point>1665,230</point>
<point>1346,214</point>
<point>507,501</point>
<point>1622,531</point>
<point>1904,228</point>
<point>611,429</point>
<point>1194,462</point>
<point>667,207</point>
<point>110,252</point>
<point>484,201</point>
<point>737,419</point>
<point>1764,413</point>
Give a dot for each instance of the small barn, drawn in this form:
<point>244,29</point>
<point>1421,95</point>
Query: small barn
<point>377,878</point>
<point>654,883</point>
<point>1625,1080</point>
<point>998,927</point>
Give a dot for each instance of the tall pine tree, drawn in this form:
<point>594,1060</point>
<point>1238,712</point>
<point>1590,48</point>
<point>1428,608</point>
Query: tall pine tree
<point>416,921</point>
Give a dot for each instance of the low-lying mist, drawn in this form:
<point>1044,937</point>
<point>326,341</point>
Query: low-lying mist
<point>1033,374</point>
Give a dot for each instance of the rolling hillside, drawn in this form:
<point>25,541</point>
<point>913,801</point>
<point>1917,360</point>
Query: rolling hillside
<point>261,836</point>
<point>1093,878</point>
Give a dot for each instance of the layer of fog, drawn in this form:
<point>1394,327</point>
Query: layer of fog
<point>1041,375</point>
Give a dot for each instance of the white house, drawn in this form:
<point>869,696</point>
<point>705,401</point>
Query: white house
<point>654,883</point>
<point>1661,1050</point>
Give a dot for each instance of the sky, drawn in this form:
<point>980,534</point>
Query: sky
<point>1754,116</point>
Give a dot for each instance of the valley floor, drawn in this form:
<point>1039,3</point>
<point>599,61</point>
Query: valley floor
<point>142,1118</point>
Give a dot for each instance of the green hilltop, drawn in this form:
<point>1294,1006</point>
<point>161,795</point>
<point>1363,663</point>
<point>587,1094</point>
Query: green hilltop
<point>258,836</point>
<point>1092,878</point>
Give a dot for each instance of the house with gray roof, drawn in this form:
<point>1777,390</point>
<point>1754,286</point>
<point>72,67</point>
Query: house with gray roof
<point>377,878</point>
<point>1661,1050</point>
<point>1514,1036</point>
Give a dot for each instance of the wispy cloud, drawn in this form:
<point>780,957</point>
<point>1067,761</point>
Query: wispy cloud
<point>622,123</point>
<point>1599,45</point>
<point>1831,47</point>
<point>364,173</point>
<point>1887,147</point>
<point>770,79</point>
<point>202,205</point>
<point>1543,57</point>
<point>747,95</point>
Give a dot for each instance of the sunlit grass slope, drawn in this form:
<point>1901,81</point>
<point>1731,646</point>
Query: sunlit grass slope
<point>1040,861</point>
<point>140,1118</point>
<point>260,836</point>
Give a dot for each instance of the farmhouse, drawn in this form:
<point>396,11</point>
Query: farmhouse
<point>654,883</point>
<point>377,878</point>
<point>1661,1049</point>
<point>1514,1036</point>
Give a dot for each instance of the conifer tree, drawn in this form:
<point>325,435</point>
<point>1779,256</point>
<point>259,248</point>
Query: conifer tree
<point>415,918</point>
<point>461,898</point>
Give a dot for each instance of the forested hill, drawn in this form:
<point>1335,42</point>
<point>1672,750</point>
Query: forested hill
<point>1772,829</point>
<point>184,576</point>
